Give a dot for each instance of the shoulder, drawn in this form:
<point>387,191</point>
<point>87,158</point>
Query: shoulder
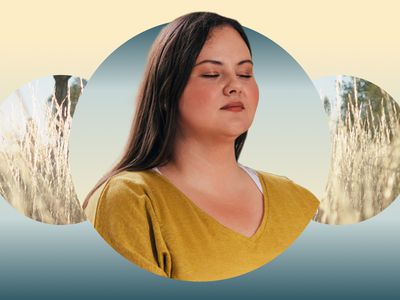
<point>278,181</point>
<point>123,214</point>
<point>129,179</point>
<point>124,191</point>
<point>273,178</point>
<point>287,193</point>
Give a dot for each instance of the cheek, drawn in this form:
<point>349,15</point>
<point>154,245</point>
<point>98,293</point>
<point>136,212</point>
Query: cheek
<point>253,95</point>
<point>191,105</point>
<point>197,98</point>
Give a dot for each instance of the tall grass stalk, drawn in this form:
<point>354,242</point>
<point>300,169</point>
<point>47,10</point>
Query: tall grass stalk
<point>34,170</point>
<point>365,162</point>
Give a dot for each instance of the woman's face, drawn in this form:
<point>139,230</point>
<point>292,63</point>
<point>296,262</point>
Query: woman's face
<point>221,96</point>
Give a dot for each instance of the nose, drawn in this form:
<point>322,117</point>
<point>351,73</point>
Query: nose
<point>233,86</point>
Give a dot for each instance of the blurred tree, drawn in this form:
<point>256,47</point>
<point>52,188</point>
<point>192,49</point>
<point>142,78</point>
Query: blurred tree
<point>327,106</point>
<point>373,105</point>
<point>75,91</point>
<point>61,93</point>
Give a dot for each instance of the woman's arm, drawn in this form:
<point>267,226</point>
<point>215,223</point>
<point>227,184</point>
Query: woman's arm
<point>125,218</point>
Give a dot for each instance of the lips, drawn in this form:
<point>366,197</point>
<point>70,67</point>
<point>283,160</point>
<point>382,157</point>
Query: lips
<point>233,106</point>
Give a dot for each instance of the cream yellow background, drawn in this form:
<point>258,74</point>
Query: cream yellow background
<point>360,38</point>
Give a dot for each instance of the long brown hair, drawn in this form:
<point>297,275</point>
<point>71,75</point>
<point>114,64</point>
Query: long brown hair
<point>170,62</point>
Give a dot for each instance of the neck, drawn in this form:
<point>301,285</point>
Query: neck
<point>203,160</point>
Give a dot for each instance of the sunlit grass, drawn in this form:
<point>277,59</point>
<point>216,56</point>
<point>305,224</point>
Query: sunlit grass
<point>34,169</point>
<point>365,163</point>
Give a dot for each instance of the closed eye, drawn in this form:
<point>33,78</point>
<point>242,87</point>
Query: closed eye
<point>209,75</point>
<point>245,75</point>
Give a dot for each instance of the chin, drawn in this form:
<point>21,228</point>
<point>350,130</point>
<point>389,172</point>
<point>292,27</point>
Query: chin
<point>232,129</point>
<point>234,134</point>
<point>240,128</point>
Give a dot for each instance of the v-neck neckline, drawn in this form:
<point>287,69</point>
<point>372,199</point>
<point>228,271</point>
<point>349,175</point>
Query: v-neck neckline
<point>260,228</point>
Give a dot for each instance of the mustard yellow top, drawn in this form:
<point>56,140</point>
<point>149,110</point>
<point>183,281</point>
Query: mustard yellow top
<point>153,224</point>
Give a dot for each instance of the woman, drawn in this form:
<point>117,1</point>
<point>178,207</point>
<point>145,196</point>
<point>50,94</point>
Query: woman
<point>178,203</point>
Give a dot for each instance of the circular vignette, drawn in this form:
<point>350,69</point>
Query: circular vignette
<point>35,123</point>
<point>364,176</point>
<point>289,135</point>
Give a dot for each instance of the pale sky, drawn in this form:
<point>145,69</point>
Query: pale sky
<point>13,116</point>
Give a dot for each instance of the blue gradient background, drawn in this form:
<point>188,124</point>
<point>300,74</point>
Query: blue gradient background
<point>327,262</point>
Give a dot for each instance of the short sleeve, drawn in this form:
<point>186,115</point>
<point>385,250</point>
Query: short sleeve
<point>125,218</point>
<point>291,201</point>
<point>310,203</point>
<point>305,203</point>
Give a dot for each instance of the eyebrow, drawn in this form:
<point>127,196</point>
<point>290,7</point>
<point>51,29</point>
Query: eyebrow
<point>217,62</point>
